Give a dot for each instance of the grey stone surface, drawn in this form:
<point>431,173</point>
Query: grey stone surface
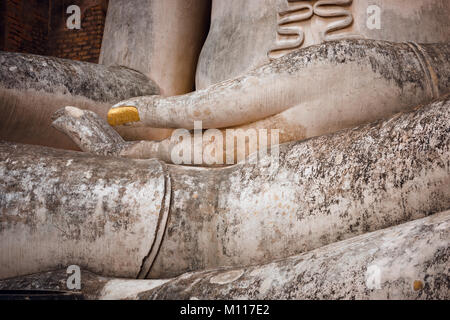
<point>53,75</point>
<point>59,208</point>
<point>409,261</point>
<point>162,39</point>
<point>33,87</point>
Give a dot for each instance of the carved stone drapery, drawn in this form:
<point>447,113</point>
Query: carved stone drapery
<point>304,10</point>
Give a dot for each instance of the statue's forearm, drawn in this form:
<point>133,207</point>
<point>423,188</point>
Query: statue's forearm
<point>365,77</point>
<point>302,95</point>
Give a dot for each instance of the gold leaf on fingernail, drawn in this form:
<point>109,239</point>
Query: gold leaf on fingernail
<point>123,115</point>
<point>418,285</point>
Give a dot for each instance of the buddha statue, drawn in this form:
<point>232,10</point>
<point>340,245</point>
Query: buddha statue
<point>355,119</point>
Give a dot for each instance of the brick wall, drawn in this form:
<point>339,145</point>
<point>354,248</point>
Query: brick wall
<point>83,44</point>
<point>39,27</point>
<point>2,24</point>
<point>25,25</point>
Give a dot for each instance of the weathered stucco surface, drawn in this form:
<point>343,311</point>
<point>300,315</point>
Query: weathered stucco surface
<point>53,75</point>
<point>59,208</point>
<point>360,213</point>
<point>409,261</point>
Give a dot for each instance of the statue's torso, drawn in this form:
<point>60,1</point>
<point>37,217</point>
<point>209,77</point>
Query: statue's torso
<point>243,34</point>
